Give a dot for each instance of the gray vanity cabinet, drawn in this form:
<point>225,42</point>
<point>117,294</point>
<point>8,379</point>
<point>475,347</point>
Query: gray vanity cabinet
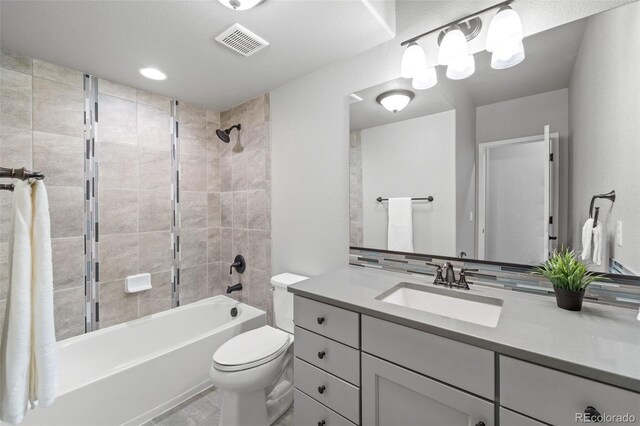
<point>395,396</point>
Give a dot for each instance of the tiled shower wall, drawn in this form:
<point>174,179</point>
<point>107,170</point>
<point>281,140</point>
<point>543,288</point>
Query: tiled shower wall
<point>245,200</point>
<point>41,127</point>
<point>356,234</point>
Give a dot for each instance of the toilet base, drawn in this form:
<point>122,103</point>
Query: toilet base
<point>244,409</point>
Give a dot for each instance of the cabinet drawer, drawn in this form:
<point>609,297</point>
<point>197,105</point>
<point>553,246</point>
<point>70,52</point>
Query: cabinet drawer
<point>334,323</point>
<point>395,396</point>
<point>331,356</point>
<point>309,412</point>
<point>335,393</point>
<point>509,418</point>
<point>464,366</point>
<point>556,397</point>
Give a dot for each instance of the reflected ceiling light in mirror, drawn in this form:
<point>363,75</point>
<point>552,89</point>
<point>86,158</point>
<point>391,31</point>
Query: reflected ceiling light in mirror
<point>461,68</point>
<point>453,46</point>
<point>241,4</point>
<point>504,39</point>
<point>425,79</point>
<point>395,100</point>
<point>153,74</point>
<point>413,61</point>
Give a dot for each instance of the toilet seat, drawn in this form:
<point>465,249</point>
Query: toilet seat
<point>251,349</point>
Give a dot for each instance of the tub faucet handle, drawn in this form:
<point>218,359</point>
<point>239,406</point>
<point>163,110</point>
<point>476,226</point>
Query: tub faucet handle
<point>239,264</point>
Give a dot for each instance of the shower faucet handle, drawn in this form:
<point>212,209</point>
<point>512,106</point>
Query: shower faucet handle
<point>239,264</point>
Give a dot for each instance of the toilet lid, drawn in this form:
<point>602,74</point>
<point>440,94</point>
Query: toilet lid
<point>251,349</point>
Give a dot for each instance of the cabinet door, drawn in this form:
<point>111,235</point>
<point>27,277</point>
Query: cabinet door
<point>394,396</point>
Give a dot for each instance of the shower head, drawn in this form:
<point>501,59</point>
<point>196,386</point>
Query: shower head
<point>224,134</point>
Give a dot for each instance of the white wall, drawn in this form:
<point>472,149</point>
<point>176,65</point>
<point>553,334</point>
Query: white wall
<point>310,140</point>
<point>504,120</point>
<point>604,100</point>
<point>412,158</point>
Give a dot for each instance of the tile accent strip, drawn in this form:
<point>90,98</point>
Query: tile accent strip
<point>623,291</point>
<point>91,206</point>
<point>175,205</point>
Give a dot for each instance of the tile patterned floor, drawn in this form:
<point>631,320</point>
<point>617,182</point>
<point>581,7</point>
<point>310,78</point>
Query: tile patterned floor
<point>203,409</point>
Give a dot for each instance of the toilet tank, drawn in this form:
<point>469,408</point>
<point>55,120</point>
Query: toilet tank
<point>283,300</point>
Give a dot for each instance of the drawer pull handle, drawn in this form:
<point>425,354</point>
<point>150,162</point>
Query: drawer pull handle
<point>321,389</point>
<point>480,424</point>
<point>320,320</point>
<point>321,423</point>
<point>593,415</point>
<point>321,354</point>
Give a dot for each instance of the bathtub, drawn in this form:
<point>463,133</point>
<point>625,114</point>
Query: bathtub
<point>129,373</point>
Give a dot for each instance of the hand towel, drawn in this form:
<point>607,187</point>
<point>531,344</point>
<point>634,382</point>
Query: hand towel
<point>587,234</point>
<point>44,365</point>
<point>597,244</point>
<point>400,232</point>
<point>15,350</point>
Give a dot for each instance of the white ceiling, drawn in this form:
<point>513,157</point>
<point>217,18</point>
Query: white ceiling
<point>113,39</point>
<point>548,65</point>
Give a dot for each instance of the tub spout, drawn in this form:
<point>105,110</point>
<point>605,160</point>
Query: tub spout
<point>232,288</point>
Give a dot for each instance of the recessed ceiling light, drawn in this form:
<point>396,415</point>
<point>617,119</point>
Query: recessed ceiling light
<point>241,4</point>
<point>153,73</point>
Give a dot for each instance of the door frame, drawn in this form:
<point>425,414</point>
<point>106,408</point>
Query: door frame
<point>551,187</point>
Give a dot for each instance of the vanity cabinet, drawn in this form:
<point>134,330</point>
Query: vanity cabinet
<point>396,396</point>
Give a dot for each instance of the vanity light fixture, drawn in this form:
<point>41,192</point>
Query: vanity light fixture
<point>153,74</point>
<point>425,79</point>
<point>413,61</point>
<point>504,39</point>
<point>241,4</point>
<point>395,100</point>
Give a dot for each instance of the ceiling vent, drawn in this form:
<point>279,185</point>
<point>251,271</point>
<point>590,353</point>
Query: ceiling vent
<point>241,40</point>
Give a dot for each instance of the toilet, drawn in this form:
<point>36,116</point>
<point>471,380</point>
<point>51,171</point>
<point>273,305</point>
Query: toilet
<point>255,368</point>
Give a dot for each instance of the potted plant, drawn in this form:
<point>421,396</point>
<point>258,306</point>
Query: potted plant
<point>569,277</point>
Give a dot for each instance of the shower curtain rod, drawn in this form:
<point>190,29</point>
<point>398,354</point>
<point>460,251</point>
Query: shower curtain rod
<point>22,174</point>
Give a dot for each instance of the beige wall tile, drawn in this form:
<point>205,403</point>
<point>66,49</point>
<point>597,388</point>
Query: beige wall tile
<point>60,158</point>
<point>192,121</point>
<point>116,306</point>
<point>154,169</point>
<point>259,250</point>
<point>193,172</point>
<point>155,210</point>
<point>118,211</point>
<point>226,209</point>
<point>155,252</point>
<point>15,99</point>
<point>118,256</point>
<point>193,284</point>
<point>57,107</point>
<point>4,272</point>
<point>213,209</point>
<point>193,245</point>
<point>153,128</point>
<point>214,245</point>
<point>240,210</point>
<point>68,306</point>
<point>57,73</point>
<point>213,277</point>
<point>240,241</point>
<point>15,147</point>
<point>239,171</point>
<point>66,206</point>
<point>257,210</point>
<point>226,246</point>
<point>157,299</point>
<point>117,120</point>
<point>193,210</point>
<point>213,166</point>
<point>118,90</point>
<point>15,62</point>
<point>160,102</point>
<point>118,166</point>
<point>225,174</point>
<point>68,262</point>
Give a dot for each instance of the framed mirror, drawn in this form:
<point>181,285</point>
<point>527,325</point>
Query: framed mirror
<point>509,164</point>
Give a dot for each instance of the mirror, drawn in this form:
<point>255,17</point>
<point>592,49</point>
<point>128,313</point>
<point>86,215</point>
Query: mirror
<point>512,158</point>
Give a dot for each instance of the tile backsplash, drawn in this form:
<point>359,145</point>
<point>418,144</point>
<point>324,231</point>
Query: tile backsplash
<point>621,291</point>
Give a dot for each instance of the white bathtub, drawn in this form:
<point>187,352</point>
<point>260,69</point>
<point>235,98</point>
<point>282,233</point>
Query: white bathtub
<point>130,373</point>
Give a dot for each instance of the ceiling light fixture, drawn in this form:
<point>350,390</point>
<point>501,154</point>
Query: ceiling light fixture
<point>153,74</point>
<point>241,4</point>
<point>395,100</point>
<point>504,39</point>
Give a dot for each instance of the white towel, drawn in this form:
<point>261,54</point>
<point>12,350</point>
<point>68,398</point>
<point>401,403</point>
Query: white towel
<point>15,353</point>
<point>400,232</point>
<point>597,244</point>
<point>587,233</point>
<point>28,368</point>
<point>44,364</point>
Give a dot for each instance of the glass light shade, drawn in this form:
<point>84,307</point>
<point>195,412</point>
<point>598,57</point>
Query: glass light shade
<point>461,68</point>
<point>507,56</point>
<point>505,29</point>
<point>395,100</point>
<point>153,73</point>
<point>426,79</point>
<point>452,47</point>
<point>413,61</point>
<point>241,4</point>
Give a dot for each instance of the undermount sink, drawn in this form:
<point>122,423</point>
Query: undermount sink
<point>454,304</point>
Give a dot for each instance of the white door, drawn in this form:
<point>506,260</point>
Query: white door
<point>516,187</point>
